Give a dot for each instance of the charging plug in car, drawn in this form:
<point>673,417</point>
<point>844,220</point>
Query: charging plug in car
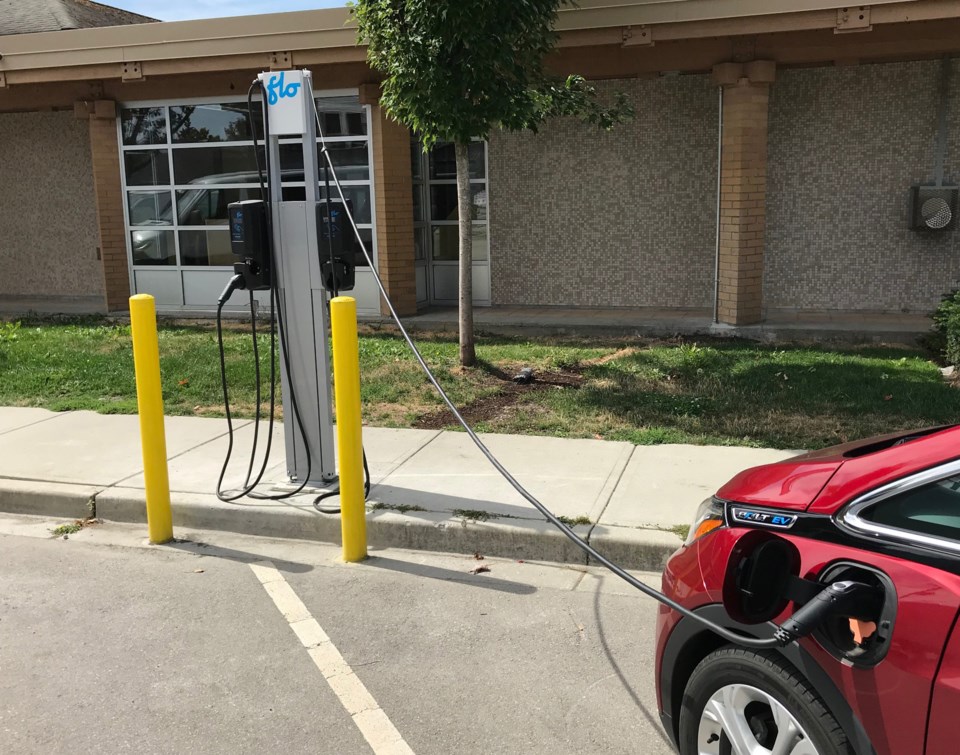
<point>847,598</point>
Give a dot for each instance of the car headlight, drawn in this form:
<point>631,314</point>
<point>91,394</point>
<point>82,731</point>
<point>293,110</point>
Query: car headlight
<point>709,517</point>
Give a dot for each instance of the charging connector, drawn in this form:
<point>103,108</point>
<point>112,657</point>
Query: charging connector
<point>846,598</point>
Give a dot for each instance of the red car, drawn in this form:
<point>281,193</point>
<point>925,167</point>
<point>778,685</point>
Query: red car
<point>879,674</point>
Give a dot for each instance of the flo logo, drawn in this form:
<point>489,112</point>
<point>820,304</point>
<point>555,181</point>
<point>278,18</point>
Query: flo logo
<point>277,89</point>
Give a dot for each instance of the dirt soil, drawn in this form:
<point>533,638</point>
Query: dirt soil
<point>507,396</point>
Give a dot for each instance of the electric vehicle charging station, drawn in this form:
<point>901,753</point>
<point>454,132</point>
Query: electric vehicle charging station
<point>305,368</point>
<point>282,253</point>
<point>278,246</point>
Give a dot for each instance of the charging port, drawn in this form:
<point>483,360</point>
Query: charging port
<point>862,640</point>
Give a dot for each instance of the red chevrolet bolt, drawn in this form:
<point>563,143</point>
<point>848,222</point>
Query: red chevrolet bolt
<point>879,674</point>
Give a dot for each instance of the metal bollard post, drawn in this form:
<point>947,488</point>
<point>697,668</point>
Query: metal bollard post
<point>146,361</point>
<point>346,381</point>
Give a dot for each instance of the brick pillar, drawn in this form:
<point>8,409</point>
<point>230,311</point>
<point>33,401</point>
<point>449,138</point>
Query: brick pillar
<point>393,185</point>
<point>106,180</point>
<point>743,185</point>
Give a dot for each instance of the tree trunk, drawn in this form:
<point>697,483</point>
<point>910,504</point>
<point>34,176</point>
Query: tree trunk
<point>468,356</point>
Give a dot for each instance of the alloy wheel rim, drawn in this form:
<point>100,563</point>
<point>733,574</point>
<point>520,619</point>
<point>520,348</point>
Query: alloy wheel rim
<point>742,720</point>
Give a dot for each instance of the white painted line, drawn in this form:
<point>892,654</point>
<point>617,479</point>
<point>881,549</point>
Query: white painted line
<point>369,718</point>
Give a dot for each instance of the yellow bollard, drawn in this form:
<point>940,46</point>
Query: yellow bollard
<point>346,383</point>
<point>146,362</point>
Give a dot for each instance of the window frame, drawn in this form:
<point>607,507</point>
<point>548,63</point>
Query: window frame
<point>173,187</point>
<point>850,518</point>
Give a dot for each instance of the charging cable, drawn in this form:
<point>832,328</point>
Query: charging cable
<point>779,640</point>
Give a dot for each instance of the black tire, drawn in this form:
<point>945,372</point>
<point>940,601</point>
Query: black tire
<point>769,672</point>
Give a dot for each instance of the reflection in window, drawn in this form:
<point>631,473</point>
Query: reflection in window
<point>224,165</point>
<point>209,206</point>
<point>930,510</point>
<point>153,247</point>
<point>183,165</point>
<point>443,161</point>
<point>147,167</point>
<point>342,116</point>
<point>444,204</point>
<point>213,123</point>
<point>144,125</point>
<point>150,207</point>
<point>208,248</point>
<point>446,242</point>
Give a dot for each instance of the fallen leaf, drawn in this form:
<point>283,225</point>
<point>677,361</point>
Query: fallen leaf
<point>480,570</point>
<point>198,571</point>
<point>478,556</point>
<point>888,397</point>
<point>183,382</point>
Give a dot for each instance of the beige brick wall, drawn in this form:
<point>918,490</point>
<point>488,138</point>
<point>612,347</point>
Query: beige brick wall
<point>620,219</point>
<point>48,218</point>
<point>109,195</point>
<point>393,186</point>
<point>845,145</point>
<point>742,203</point>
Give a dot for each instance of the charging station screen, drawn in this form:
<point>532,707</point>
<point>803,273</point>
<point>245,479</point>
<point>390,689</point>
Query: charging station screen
<point>236,225</point>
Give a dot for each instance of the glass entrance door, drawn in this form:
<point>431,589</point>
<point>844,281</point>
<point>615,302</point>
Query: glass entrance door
<point>436,224</point>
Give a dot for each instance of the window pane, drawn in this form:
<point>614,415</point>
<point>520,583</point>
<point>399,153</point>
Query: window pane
<point>446,242</point>
<point>349,159</point>
<point>417,204</point>
<point>342,116</point>
<point>443,202</point>
<point>358,195</point>
<point>150,207</point>
<point>443,161</point>
<point>215,165</point>
<point>153,247</point>
<point>147,168</point>
<point>416,159</point>
<point>930,510</point>
<point>206,248</point>
<point>367,235</point>
<point>209,206</point>
<point>144,125</point>
<point>214,123</point>
<point>419,243</point>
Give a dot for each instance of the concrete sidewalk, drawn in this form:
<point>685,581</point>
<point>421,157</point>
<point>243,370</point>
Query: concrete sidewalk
<point>77,464</point>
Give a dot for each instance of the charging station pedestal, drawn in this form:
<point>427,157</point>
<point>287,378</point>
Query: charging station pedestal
<point>302,297</point>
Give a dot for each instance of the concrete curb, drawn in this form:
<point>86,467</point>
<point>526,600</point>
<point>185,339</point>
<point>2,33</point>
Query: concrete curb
<point>522,539</point>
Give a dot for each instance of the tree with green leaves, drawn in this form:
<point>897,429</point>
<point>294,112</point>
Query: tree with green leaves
<point>456,69</point>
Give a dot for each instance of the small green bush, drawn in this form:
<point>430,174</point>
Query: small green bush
<point>946,320</point>
<point>9,331</point>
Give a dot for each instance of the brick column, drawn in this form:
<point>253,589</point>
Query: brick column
<point>393,186</point>
<point>106,180</point>
<point>743,185</point>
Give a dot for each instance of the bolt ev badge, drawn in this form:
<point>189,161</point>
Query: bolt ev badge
<point>765,518</point>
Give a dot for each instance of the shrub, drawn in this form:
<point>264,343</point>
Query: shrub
<point>946,321</point>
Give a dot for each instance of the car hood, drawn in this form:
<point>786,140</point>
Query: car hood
<point>797,483</point>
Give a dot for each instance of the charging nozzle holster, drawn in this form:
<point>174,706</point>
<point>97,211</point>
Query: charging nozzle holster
<point>337,245</point>
<point>250,243</point>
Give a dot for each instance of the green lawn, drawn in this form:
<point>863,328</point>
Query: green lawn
<point>734,393</point>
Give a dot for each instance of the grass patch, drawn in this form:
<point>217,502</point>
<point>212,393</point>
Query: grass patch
<point>681,530</point>
<point>574,521</point>
<point>67,529</point>
<point>722,392</point>
<point>403,508</point>
<point>475,515</point>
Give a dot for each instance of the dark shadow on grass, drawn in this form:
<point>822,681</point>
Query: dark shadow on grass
<point>776,396</point>
<point>449,575</point>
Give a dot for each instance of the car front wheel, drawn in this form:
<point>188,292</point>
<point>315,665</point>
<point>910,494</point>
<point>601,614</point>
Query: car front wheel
<point>742,702</point>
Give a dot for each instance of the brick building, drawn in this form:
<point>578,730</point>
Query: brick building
<point>120,147</point>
